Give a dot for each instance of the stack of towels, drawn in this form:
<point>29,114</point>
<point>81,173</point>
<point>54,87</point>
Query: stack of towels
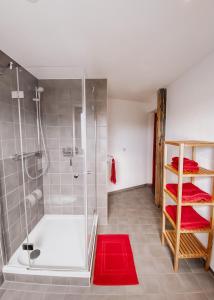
<point>190,192</point>
<point>188,164</point>
<point>190,219</point>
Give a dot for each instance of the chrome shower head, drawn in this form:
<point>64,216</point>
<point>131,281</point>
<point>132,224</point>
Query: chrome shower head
<point>40,89</point>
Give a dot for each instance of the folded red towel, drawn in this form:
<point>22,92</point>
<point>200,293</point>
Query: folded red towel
<point>186,168</point>
<point>190,192</point>
<point>190,219</point>
<point>187,161</point>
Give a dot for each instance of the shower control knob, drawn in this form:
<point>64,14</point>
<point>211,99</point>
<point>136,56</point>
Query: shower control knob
<point>76,176</point>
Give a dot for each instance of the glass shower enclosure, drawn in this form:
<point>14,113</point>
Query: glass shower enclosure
<point>56,153</point>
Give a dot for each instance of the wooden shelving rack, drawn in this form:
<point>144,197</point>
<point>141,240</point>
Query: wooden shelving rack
<point>183,243</point>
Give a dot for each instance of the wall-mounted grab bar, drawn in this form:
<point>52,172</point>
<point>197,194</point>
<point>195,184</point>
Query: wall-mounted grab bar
<point>76,175</point>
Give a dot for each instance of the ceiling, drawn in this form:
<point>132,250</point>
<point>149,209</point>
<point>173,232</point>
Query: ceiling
<point>139,45</point>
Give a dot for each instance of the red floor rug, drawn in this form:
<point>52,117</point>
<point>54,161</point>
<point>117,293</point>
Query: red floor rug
<point>114,263</point>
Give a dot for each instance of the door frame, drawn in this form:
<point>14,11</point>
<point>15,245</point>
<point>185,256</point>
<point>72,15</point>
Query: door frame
<point>160,139</point>
<point>154,151</point>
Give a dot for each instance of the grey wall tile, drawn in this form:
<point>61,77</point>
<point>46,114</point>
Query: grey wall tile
<point>11,182</point>
<point>10,167</point>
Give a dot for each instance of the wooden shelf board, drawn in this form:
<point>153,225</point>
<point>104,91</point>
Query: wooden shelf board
<point>201,203</point>
<point>170,219</point>
<point>199,230</point>
<point>190,143</point>
<point>190,246</point>
<point>201,173</point>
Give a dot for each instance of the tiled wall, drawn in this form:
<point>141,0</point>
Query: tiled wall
<point>13,221</point>
<point>64,193</point>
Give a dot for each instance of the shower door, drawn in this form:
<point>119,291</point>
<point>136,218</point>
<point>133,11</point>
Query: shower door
<point>23,154</point>
<point>90,159</point>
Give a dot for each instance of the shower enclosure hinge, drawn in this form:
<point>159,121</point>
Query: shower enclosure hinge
<point>28,246</point>
<point>17,94</point>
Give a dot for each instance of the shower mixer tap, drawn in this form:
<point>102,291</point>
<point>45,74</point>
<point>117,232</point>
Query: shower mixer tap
<point>68,152</point>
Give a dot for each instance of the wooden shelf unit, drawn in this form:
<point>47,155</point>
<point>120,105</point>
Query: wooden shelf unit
<point>182,242</point>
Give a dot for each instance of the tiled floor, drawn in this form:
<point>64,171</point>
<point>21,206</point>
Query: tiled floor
<point>133,212</point>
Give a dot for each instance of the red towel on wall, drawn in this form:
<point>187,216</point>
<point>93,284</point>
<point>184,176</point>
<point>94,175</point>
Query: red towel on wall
<point>113,172</point>
<point>190,219</point>
<point>190,192</point>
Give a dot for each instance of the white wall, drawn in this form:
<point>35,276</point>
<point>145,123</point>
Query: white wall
<point>151,107</point>
<point>128,142</point>
<point>190,114</point>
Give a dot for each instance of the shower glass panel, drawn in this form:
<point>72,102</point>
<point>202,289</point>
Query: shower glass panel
<point>91,163</point>
<point>26,159</point>
<point>59,189</point>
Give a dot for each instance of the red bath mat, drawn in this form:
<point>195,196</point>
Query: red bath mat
<point>114,262</point>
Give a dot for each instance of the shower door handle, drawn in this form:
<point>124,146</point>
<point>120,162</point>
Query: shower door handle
<point>82,173</point>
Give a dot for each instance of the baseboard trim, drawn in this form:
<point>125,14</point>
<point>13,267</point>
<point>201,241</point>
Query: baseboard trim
<point>130,188</point>
<point>211,271</point>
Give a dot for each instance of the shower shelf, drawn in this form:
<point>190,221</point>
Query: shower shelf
<point>27,155</point>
